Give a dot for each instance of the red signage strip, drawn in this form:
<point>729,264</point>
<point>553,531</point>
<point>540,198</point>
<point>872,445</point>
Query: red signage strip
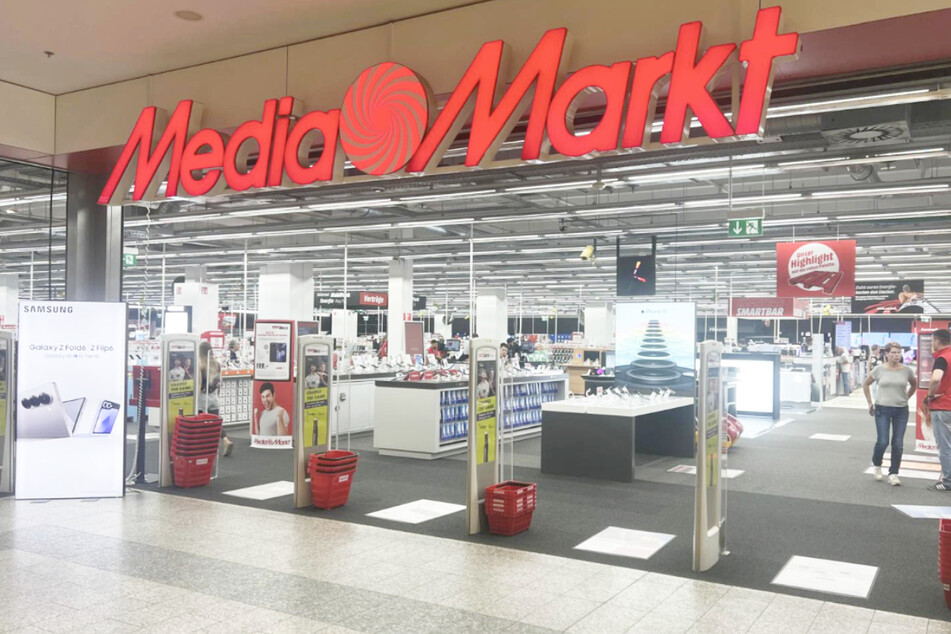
<point>768,307</point>
<point>815,269</point>
<point>384,126</point>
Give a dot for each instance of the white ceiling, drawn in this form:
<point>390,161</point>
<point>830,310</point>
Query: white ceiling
<point>105,41</point>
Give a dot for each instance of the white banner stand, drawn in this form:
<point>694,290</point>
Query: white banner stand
<point>707,510</point>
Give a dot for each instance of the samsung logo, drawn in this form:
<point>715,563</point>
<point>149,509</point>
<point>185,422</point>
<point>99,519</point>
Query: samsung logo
<point>47,309</point>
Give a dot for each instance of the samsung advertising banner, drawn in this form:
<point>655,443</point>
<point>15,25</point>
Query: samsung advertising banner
<point>271,426</point>
<point>815,269</point>
<point>887,297</point>
<point>70,401</point>
<point>656,344</point>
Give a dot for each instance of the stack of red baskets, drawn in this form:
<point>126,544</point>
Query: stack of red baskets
<point>509,506</point>
<point>944,558</point>
<point>331,474</point>
<point>194,449</point>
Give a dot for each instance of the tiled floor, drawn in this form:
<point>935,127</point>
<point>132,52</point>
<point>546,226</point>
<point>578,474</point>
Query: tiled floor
<point>170,564</point>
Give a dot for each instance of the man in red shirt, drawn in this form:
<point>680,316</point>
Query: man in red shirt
<point>939,402</point>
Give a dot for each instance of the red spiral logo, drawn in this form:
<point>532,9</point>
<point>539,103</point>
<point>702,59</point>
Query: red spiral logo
<point>384,117</point>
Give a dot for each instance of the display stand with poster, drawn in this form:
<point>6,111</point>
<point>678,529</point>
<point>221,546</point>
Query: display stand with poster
<point>483,468</point>
<point>71,400</point>
<point>6,412</point>
<point>273,393</point>
<point>924,434</point>
<point>413,340</point>
<point>706,530</point>
<point>312,408</point>
<point>179,385</point>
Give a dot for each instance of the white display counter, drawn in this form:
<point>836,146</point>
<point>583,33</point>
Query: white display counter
<point>795,386</point>
<point>427,420</point>
<point>354,396</point>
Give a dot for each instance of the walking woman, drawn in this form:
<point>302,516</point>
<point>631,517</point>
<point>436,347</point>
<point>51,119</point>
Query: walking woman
<point>896,384</point>
<point>209,371</point>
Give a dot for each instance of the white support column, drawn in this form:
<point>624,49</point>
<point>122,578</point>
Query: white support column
<point>9,297</point>
<point>400,304</point>
<point>599,325</point>
<point>286,291</point>
<point>492,314</point>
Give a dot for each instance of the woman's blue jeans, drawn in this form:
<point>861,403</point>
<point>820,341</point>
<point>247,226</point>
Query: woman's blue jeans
<point>895,418</point>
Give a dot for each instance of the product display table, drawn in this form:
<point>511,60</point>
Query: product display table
<point>427,419</point>
<point>592,440</point>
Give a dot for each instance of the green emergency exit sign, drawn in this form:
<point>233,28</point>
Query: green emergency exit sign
<point>129,259</point>
<point>746,227</point>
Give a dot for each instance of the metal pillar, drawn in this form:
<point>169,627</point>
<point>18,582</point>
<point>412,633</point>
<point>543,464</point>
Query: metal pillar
<point>93,242</point>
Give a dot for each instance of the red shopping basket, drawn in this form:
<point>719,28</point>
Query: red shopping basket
<point>193,471</point>
<point>509,506</point>
<point>330,490</point>
<point>510,498</point>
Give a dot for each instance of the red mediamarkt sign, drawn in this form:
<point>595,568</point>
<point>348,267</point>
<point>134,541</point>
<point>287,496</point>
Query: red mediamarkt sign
<point>383,125</point>
<point>373,299</point>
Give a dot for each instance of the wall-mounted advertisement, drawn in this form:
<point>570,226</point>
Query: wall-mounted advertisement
<point>815,269</point>
<point>636,275</point>
<point>656,343</point>
<point>71,395</point>
<point>886,297</point>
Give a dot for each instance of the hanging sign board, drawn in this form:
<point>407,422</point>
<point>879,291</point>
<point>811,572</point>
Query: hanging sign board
<point>706,534</point>
<point>768,307</point>
<point>179,370</point>
<point>271,425</point>
<point>71,398</point>
<point>312,427</point>
<point>483,468</point>
<point>815,269</point>
<point>6,412</point>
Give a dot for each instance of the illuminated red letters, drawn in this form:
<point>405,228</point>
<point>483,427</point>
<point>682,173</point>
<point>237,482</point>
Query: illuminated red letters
<point>759,53</point>
<point>612,81</point>
<point>207,163</point>
<point>491,126</point>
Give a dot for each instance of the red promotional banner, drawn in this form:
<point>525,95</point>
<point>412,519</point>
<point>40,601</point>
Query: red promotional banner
<point>815,269</point>
<point>768,307</point>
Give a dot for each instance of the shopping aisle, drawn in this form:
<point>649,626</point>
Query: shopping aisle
<point>169,563</point>
<point>797,496</point>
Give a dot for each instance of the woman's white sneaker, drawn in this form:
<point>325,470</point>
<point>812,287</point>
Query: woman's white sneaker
<point>893,479</point>
<point>878,474</point>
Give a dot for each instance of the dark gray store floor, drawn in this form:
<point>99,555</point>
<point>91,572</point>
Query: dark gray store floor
<point>797,497</point>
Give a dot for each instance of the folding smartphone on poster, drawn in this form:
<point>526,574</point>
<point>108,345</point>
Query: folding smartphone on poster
<point>42,414</point>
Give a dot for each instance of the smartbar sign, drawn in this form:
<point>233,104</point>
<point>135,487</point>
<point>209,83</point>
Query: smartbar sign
<point>387,123</point>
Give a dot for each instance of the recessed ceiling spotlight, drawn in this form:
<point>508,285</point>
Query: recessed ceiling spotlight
<point>11,211</point>
<point>188,16</point>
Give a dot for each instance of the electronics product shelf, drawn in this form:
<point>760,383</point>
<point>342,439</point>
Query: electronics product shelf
<point>428,420</point>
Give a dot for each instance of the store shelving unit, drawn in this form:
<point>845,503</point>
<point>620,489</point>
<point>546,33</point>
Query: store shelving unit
<point>236,397</point>
<point>430,420</point>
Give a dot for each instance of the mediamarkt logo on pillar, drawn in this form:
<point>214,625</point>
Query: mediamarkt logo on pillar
<point>815,269</point>
<point>388,123</point>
